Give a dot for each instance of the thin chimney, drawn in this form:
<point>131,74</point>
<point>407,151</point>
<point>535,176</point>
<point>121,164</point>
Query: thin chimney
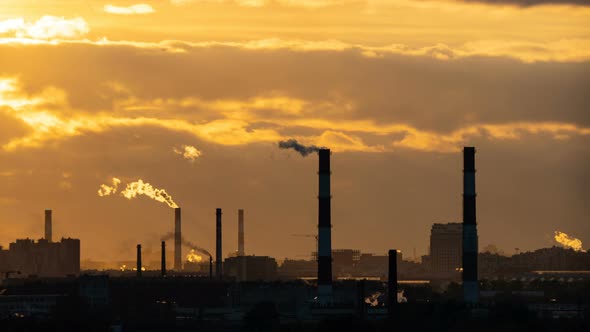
<point>392,282</point>
<point>241,251</point>
<point>163,268</point>
<point>139,260</point>
<point>324,229</point>
<point>48,226</point>
<point>177,241</point>
<point>218,247</point>
<point>470,247</point>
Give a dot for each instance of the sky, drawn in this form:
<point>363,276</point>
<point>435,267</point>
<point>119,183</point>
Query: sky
<point>193,97</point>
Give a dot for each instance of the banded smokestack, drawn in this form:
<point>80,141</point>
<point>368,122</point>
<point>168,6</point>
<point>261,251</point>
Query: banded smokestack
<point>163,267</point>
<point>324,229</point>
<point>218,254</point>
<point>177,240</point>
<point>139,260</point>
<point>470,247</point>
<point>241,251</point>
<point>392,282</point>
<point>48,226</point>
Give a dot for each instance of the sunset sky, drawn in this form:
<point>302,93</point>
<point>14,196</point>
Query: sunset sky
<point>192,96</point>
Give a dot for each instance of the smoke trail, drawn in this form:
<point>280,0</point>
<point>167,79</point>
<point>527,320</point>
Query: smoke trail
<point>568,241</point>
<point>106,190</point>
<point>302,149</point>
<point>186,243</point>
<point>142,188</point>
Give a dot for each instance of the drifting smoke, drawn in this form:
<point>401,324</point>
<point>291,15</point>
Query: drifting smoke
<point>186,243</point>
<point>193,257</point>
<point>568,241</point>
<point>106,190</point>
<point>188,152</point>
<point>142,188</point>
<point>302,149</point>
<point>137,188</point>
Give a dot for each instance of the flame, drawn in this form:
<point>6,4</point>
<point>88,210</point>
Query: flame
<point>568,241</point>
<point>193,257</point>
<point>142,188</point>
<point>123,267</point>
<point>373,299</point>
<point>106,190</point>
<point>142,268</point>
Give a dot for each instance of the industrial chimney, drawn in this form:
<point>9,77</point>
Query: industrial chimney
<point>241,251</point>
<point>163,268</point>
<point>324,230</point>
<point>139,260</point>
<point>218,254</point>
<point>392,282</point>
<point>470,248</point>
<point>48,226</point>
<point>177,241</point>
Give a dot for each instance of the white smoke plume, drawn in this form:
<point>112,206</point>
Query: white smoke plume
<point>188,152</point>
<point>302,149</point>
<point>139,187</point>
<point>106,190</point>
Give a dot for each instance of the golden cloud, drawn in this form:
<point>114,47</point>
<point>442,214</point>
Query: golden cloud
<point>236,125</point>
<point>563,50</point>
<point>45,28</point>
<point>139,9</point>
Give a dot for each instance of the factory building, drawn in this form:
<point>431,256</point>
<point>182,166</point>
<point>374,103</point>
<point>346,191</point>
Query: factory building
<point>251,268</point>
<point>446,247</point>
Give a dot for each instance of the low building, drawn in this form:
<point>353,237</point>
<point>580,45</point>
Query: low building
<point>251,268</point>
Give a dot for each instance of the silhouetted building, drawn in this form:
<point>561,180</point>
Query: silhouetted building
<point>297,268</point>
<point>251,268</point>
<point>42,258</point>
<point>446,246</point>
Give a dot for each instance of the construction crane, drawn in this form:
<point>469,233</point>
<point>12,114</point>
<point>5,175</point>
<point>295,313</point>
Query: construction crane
<point>310,235</point>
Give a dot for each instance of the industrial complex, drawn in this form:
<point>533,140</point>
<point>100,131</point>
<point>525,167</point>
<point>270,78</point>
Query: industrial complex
<point>42,279</point>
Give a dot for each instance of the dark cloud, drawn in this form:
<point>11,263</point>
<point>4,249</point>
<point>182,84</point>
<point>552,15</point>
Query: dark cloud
<point>420,91</point>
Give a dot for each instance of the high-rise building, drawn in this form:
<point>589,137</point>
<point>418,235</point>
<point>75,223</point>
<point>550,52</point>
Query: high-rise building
<point>446,244</point>
<point>42,258</point>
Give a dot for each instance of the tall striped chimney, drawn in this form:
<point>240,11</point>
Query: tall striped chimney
<point>241,251</point>
<point>470,248</point>
<point>48,226</point>
<point>177,241</point>
<point>139,261</point>
<point>218,254</point>
<point>163,268</point>
<point>324,229</point>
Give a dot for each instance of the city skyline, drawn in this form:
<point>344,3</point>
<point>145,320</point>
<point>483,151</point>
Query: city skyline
<point>194,96</point>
